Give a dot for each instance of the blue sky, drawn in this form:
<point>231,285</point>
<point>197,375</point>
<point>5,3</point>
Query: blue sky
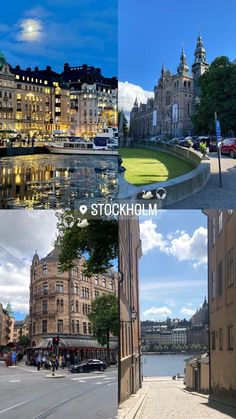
<point>173,268</point>
<point>152,31</point>
<point>52,32</point>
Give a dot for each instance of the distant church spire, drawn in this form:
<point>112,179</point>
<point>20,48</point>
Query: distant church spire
<point>136,101</point>
<point>183,68</point>
<point>200,52</point>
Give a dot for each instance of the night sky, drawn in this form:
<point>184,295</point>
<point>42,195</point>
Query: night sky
<point>52,32</point>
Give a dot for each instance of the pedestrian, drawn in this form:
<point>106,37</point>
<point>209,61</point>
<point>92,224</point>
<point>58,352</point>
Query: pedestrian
<point>39,361</point>
<point>28,141</point>
<point>63,362</point>
<point>33,140</point>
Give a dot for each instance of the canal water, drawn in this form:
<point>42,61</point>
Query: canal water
<point>163,365</point>
<point>57,181</point>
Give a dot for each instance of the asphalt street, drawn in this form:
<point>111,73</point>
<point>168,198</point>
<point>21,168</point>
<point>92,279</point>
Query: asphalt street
<point>27,393</point>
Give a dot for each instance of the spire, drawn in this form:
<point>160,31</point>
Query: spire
<point>35,257</point>
<point>136,102</point>
<point>200,52</point>
<point>183,67</point>
<point>9,310</point>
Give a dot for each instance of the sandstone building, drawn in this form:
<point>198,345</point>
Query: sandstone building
<point>60,303</point>
<point>130,251</point>
<point>222,300</point>
<point>175,96</point>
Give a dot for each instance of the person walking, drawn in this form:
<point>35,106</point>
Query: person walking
<point>39,361</point>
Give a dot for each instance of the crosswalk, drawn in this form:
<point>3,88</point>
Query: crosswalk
<point>102,379</point>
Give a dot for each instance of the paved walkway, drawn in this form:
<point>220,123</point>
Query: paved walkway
<point>212,196</point>
<point>166,399</point>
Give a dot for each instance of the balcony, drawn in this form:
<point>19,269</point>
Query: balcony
<point>41,313</point>
<point>6,109</point>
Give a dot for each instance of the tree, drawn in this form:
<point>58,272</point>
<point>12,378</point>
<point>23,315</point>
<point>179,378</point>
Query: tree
<point>218,94</point>
<point>24,340</point>
<point>104,319</point>
<point>98,242</point>
<point>124,128</point>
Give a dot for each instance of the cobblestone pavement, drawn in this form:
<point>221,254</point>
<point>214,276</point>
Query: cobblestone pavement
<point>212,196</point>
<point>167,399</point>
<point>163,398</point>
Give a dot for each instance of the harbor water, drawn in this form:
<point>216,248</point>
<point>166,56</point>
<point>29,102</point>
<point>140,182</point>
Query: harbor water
<point>57,181</point>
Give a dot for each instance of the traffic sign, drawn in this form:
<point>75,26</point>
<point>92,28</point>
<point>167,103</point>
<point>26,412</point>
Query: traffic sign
<point>218,130</point>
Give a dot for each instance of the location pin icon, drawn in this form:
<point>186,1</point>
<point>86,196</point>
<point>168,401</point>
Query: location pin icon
<point>83,209</point>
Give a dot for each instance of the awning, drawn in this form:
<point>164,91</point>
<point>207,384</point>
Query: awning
<point>70,343</point>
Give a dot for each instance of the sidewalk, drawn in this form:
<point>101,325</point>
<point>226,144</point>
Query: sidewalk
<point>166,398</point>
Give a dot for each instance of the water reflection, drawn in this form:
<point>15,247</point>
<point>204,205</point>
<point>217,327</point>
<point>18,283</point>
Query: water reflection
<point>50,181</point>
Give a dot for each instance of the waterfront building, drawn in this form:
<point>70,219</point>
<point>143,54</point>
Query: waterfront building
<point>222,300</point>
<point>42,101</point>
<point>79,100</point>
<point>130,376</point>
<point>157,338</point>
<point>198,335</point>
<point>7,95</point>
<point>201,315</point>
<point>6,324</point>
<point>93,99</point>
<point>60,304</point>
<point>175,97</point>
<point>179,336</point>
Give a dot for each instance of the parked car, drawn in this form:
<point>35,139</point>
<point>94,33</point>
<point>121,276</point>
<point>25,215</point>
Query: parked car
<point>229,147</point>
<point>90,365</point>
<point>211,143</point>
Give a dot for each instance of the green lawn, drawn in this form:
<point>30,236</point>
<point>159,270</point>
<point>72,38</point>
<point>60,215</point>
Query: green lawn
<point>145,166</point>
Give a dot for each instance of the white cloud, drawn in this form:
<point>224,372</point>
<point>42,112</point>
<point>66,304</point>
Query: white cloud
<point>170,302</point>
<point>150,238</point>
<point>159,312</point>
<point>192,248</point>
<point>128,92</point>
<point>187,311</point>
<point>22,232</point>
<point>180,244</point>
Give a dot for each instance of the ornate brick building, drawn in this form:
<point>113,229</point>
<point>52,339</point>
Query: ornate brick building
<point>175,97</point>
<point>60,303</point>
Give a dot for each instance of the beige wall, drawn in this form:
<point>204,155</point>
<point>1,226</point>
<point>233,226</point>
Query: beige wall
<point>222,301</point>
<point>130,333</point>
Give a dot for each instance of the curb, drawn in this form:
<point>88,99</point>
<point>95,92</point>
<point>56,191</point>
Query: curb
<point>137,401</point>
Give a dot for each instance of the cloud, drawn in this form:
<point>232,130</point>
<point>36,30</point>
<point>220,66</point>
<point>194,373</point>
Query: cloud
<point>192,248</point>
<point>160,312</point>
<point>187,311</point>
<point>22,232</point>
<point>181,245</point>
<point>150,237</point>
<point>128,92</point>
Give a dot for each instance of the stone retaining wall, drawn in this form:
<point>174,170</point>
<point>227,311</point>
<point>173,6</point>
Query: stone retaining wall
<point>177,188</point>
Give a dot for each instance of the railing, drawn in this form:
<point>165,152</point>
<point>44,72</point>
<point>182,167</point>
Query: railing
<point>44,313</point>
